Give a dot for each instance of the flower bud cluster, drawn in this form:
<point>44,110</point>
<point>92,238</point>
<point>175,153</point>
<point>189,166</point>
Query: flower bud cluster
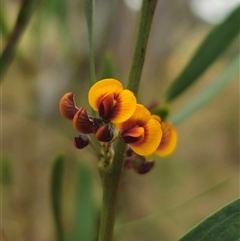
<point>84,123</point>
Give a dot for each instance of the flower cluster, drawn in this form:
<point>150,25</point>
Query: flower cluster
<point>119,114</point>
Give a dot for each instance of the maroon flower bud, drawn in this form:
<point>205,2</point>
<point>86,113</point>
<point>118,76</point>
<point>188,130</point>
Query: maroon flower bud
<point>130,152</point>
<point>84,123</point>
<point>97,121</point>
<point>67,106</point>
<point>145,167</point>
<point>140,164</point>
<point>104,134</point>
<point>81,141</point>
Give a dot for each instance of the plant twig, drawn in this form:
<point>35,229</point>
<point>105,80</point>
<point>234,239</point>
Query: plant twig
<point>148,9</point>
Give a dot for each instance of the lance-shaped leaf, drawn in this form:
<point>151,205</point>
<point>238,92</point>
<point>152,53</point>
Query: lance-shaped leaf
<point>210,49</point>
<point>107,70</point>
<point>222,225</point>
<point>85,221</point>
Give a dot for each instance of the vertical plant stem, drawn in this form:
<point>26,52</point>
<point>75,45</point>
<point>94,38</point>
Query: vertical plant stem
<point>111,175</point>
<point>148,9</point>
<point>110,180</point>
<point>89,9</point>
<point>24,16</point>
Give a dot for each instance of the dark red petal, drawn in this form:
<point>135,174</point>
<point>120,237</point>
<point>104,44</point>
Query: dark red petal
<point>104,134</point>
<point>105,107</point>
<point>84,123</point>
<point>67,106</point>
<point>81,141</point>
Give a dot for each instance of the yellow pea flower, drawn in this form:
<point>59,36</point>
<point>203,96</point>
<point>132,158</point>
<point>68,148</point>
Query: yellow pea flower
<point>112,101</point>
<point>142,132</point>
<point>169,139</point>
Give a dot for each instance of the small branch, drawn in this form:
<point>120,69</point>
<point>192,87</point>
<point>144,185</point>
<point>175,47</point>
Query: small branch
<point>24,16</point>
<point>148,9</point>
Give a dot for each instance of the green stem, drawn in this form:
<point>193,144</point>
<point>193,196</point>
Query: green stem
<point>111,175</point>
<point>148,9</point>
<point>110,180</point>
<point>24,16</point>
<point>89,9</point>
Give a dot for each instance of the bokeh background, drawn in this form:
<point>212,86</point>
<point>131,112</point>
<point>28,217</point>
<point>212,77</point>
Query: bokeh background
<point>52,58</point>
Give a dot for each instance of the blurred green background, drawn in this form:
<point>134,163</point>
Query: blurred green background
<point>51,59</point>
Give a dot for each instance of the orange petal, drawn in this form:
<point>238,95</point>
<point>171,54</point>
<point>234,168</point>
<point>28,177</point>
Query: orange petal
<point>133,135</point>
<point>124,107</point>
<point>101,88</point>
<point>67,106</point>
<point>139,118</point>
<point>169,139</point>
<point>156,117</point>
<point>151,140</point>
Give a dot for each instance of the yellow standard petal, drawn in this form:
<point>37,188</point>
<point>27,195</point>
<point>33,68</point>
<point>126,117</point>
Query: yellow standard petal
<point>169,139</point>
<point>156,117</point>
<point>151,140</point>
<point>101,88</point>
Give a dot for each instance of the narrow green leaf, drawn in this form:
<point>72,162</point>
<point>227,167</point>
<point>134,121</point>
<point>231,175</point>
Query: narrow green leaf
<point>207,94</point>
<point>56,191</point>
<point>6,173</point>
<point>107,70</point>
<point>223,225</point>
<point>210,49</point>
<point>85,222</point>
<point>58,11</point>
<point>57,8</point>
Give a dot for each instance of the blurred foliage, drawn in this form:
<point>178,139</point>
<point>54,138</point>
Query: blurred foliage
<point>53,58</point>
<point>107,69</point>
<point>212,46</point>
<point>3,26</point>
<point>208,93</point>
<point>6,170</point>
<point>85,215</point>
<point>25,13</point>
<point>56,191</point>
